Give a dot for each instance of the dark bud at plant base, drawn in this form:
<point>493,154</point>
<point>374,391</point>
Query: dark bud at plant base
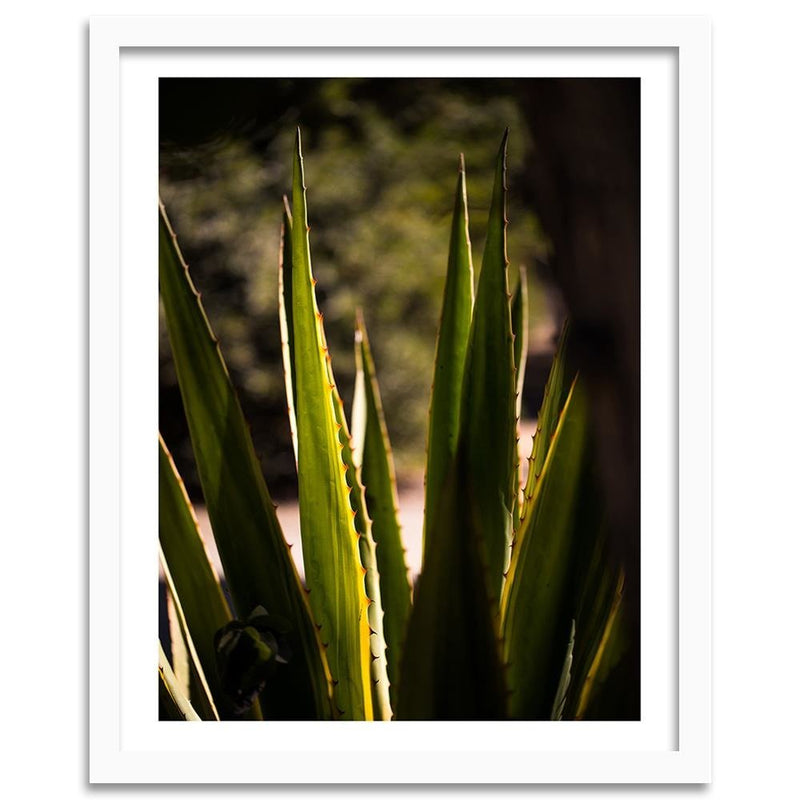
<point>248,653</point>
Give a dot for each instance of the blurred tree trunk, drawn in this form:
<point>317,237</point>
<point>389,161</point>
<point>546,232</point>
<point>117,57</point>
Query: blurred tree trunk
<point>584,183</point>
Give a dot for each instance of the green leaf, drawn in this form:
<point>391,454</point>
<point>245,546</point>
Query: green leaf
<point>606,678</point>
<point>367,551</point>
<point>330,542</point>
<point>378,667</point>
<point>488,421</point>
<point>538,599</point>
<point>603,651</point>
<point>566,677</point>
<point>178,651</point>
<point>172,702</point>
<point>558,383</point>
<point>285,314</point>
<point>451,353</point>
<point>254,554</point>
<point>196,684</point>
<point>598,588</point>
<point>519,327</point>
<point>379,676</point>
<point>195,581</point>
<point>377,473</point>
<point>451,665</point>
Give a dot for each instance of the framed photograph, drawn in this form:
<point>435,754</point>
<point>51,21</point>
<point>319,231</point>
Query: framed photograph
<point>574,648</point>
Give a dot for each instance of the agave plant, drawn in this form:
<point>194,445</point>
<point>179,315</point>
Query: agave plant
<point>517,611</point>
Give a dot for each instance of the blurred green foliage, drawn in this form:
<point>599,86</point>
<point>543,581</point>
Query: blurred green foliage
<point>381,156</point>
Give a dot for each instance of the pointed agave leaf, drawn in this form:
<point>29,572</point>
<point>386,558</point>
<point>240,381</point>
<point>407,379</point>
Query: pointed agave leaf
<point>358,411</point>
<point>599,696</point>
<point>451,353</point>
<point>367,550</point>
<point>451,666</point>
<point>254,554</point>
<point>488,419</point>
<point>378,664</point>
<point>566,677</point>
<point>538,598</point>
<point>172,702</point>
<point>558,382</point>
<point>378,475</point>
<point>598,584</point>
<point>603,655</point>
<point>593,575</point>
<point>196,583</point>
<point>285,312</point>
<point>519,326</point>
<point>330,542</point>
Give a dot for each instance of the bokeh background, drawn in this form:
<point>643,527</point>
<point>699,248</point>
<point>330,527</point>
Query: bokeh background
<point>381,163</point>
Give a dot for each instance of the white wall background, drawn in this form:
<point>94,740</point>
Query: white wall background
<point>43,313</point>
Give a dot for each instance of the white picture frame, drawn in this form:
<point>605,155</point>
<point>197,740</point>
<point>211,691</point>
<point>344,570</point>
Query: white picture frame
<point>127,744</point>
